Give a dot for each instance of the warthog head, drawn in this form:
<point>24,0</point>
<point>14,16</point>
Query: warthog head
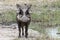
<point>23,12</point>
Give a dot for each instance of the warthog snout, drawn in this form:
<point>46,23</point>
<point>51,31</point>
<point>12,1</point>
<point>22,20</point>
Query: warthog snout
<point>23,18</point>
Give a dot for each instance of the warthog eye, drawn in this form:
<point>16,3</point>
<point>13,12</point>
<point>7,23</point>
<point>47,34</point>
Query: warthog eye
<point>21,12</point>
<point>27,12</point>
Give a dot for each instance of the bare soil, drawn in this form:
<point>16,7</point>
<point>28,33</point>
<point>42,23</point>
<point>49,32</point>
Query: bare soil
<point>11,33</point>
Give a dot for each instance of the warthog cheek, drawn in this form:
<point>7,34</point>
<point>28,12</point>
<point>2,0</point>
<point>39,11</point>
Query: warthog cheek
<point>19,17</point>
<point>28,16</point>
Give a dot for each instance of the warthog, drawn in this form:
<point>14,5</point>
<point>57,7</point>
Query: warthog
<point>23,18</point>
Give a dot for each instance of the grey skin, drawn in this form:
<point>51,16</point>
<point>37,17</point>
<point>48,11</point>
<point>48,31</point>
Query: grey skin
<point>23,19</point>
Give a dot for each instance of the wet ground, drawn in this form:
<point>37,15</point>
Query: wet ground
<point>53,32</point>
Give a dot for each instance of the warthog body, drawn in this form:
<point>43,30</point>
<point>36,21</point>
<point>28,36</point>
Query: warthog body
<point>23,18</point>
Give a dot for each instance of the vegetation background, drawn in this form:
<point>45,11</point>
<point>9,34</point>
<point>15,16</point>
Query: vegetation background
<point>44,13</point>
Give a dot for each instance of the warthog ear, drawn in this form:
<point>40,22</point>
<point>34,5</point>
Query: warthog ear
<point>18,6</point>
<point>29,6</point>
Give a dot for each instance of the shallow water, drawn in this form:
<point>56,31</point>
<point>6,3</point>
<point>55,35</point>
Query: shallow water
<point>52,32</point>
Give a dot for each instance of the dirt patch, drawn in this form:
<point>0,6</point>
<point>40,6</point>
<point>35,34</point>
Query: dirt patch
<point>9,33</point>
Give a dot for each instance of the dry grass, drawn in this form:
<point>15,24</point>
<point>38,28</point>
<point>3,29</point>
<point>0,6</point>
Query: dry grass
<point>12,2</point>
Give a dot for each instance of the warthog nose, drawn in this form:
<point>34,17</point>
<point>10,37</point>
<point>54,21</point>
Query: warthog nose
<point>24,18</point>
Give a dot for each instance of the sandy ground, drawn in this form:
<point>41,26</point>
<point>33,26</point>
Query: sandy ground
<point>9,33</point>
